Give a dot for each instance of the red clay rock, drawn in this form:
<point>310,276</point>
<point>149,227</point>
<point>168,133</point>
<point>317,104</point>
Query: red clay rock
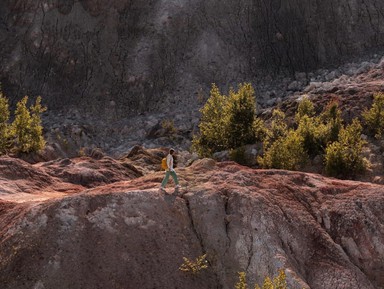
<point>326,233</point>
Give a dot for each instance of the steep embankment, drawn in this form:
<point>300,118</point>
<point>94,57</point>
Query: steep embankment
<point>325,232</point>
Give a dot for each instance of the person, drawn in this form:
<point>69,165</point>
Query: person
<point>170,171</point>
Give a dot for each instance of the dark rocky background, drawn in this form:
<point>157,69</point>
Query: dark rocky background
<point>112,72</point>
<point>131,56</point>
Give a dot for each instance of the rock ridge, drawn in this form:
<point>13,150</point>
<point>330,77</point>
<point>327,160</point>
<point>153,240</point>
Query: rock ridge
<point>325,232</point>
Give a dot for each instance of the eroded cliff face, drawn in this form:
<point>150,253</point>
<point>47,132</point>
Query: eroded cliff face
<point>130,56</point>
<point>325,233</point>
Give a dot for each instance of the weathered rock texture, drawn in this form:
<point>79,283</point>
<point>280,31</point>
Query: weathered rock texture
<point>125,56</point>
<point>326,233</point>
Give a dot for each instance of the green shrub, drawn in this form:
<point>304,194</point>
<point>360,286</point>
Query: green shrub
<point>333,121</point>
<point>278,129</point>
<point>194,267</point>
<point>374,117</point>
<point>212,125</point>
<point>343,157</point>
<point>5,128</point>
<point>227,122</point>
<point>259,129</point>
<point>22,125</point>
<point>305,108</point>
<point>314,134</point>
<point>279,282</point>
<point>169,126</point>
<point>287,152</point>
<point>311,128</point>
<point>242,283</point>
<point>37,138</point>
<point>27,126</point>
<point>241,115</point>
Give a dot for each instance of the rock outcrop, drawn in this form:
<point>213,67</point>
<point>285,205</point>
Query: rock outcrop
<point>325,233</point>
<point>21,180</point>
<point>129,56</point>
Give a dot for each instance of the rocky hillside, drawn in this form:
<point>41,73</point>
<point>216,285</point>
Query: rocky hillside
<point>62,225</point>
<point>129,56</point>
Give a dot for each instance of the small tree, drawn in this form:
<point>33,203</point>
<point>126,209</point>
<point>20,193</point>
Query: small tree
<point>241,113</point>
<point>314,134</point>
<point>311,128</point>
<point>374,117</point>
<point>37,138</point>
<point>212,125</point>
<point>5,128</point>
<point>285,153</point>
<point>228,122</point>
<point>333,120</point>
<point>278,128</point>
<point>305,108</point>
<point>343,157</point>
<point>22,126</point>
<point>27,126</point>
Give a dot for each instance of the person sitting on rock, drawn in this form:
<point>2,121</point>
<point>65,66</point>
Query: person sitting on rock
<point>169,171</point>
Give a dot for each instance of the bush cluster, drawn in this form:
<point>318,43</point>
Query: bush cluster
<point>25,133</point>
<point>324,135</point>
<point>228,122</point>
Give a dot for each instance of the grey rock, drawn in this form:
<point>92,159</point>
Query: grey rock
<point>116,59</point>
<point>294,86</point>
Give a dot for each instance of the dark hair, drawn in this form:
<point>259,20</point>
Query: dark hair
<point>171,151</point>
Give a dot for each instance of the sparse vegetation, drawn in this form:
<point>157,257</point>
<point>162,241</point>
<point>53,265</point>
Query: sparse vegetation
<point>194,267</point>
<point>279,282</point>
<point>169,126</point>
<point>82,152</point>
